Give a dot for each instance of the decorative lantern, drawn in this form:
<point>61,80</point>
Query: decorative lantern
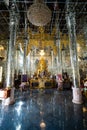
<point>39,14</point>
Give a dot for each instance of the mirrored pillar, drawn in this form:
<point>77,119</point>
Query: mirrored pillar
<point>58,48</point>
<point>25,57</point>
<point>17,62</point>
<point>25,48</point>
<point>11,49</point>
<point>77,97</point>
<point>63,60</point>
<point>11,57</point>
<point>52,61</point>
<point>30,64</point>
<point>33,62</point>
<point>85,29</point>
<point>59,56</point>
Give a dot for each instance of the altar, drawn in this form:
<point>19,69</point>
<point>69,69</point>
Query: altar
<point>42,77</point>
<point>42,83</point>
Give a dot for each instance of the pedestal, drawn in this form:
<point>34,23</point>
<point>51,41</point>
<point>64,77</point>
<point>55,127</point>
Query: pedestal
<point>77,96</point>
<point>5,93</point>
<point>9,99</point>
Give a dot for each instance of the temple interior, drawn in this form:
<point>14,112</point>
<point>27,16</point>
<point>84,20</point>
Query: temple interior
<point>43,64</point>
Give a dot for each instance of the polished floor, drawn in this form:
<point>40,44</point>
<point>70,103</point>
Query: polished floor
<point>43,110</point>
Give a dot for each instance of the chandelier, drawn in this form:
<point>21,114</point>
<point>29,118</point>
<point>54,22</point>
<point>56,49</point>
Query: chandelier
<point>39,14</point>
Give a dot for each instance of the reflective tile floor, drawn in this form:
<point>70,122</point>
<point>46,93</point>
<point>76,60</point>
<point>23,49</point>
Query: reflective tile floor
<point>43,110</point>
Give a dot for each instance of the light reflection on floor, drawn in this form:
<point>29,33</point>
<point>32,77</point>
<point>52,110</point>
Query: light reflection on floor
<point>43,110</point>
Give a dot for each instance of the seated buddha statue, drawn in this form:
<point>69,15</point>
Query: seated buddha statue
<point>42,67</point>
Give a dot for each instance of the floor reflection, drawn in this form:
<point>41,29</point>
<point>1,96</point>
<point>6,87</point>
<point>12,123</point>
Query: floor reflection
<point>43,110</point>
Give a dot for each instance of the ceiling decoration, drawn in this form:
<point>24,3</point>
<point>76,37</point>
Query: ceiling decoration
<point>38,34</point>
<point>41,34</point>
<point>42,45</point>
<point>39,14</point>
<point>40,40</point>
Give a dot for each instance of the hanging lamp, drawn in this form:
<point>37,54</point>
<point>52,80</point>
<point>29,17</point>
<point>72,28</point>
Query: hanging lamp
<point>38,13</point>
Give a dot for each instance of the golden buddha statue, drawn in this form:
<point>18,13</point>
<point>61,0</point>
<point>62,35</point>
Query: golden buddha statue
<point>42,66</point>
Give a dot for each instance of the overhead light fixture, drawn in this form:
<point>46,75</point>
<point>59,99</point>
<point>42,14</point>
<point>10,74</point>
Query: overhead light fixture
<point>42,52</point>
<point>39,14</point>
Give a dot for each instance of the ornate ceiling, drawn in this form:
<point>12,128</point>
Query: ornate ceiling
<point>57,7</point>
